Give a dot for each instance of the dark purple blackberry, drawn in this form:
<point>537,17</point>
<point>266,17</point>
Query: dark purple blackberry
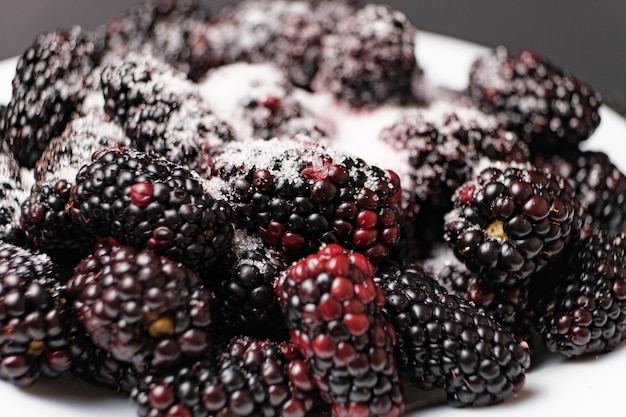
<point>599,184</point>
<point>97,366</point>
<point>245,294</point>
<point>249,32</point>
<point>444,341</point>
<point>369,58</point>
<point>49,85</point>
<point>33,317</point>
<point>3,111</point>
<point>513,220</point>
<point>257,100</point>
<point>142,307</point>
<point>136,27</point>
<point>584,312</point>
<point>550,108</point>
<point>250,378</point>
<point>297,194</point>
<point>333,309</point>
<point>509,305</point>
<point>147,202</point>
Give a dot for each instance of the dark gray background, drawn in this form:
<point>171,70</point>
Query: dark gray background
<point>588,38</point>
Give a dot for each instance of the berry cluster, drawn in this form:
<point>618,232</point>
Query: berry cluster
<point>180,219</point>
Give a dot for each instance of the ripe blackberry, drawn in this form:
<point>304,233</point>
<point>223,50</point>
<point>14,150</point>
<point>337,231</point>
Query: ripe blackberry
<point>248,32</point>
<point>550,108</point>
<point>369,58</point>
<point>510,221</point>
<point>333,309</point>
<point>256,99</point>
<point>245,294</point>
<point>33,317</point>
<point>444,341</point>
<point>585,311</point>
<point>147,202</point>
<point>141,307</point>
<point>251,378</point>
<point>48,87</point>
<point>296,194</point>
<point>599,184</point>
<point>509,305</point>
<point>137,26</point>
<point>3,111</point>
<point>97,366</point>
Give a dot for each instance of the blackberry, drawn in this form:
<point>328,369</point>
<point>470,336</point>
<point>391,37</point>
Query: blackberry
<point>256,99</point>
<point>252,377</point>
<point>369,58</point>
<point>444,341</point>
<point>137,26</point>
<point>509,305</point>
<point>49,85</point>
<point>296,194</point>
<point>141,307</point>
<point>334,311</point>
<point>33,317</point>
<point>550,108</point>
<point>3,111</point>
<point>248,32</point>
<point>247,303</point>
<point>585,311</point>
<point>96,365</point>
<point>511,221</point>
<point>599,184</point>
<point>147,202</point>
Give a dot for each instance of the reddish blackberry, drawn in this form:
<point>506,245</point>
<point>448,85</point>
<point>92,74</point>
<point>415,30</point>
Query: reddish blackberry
<point>141,307</point>
<point>599,184</point>
<point>147,202</point>
<point>333,309</point>
<point>97,366</point>
<point>444,341</point>
<point>369,58</point>
<point>245,294</point>
<point>550,108</point>
<point>33,317</point>
<point>585,312</point>
<point>48,86</point>
<point>256,99</point>
<point>296,194</point>
<point>512,220</point>
<point>251,378</point>
<point>248,32</point>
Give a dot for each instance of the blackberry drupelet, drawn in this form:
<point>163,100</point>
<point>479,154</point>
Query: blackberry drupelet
<point>584,312</point>
<point>141,307</point>
<point>297,194</point>
<point>3,111</point>
<point>550,108</point>
<point>243,34</point>
<point>512,220</point>
<point>599,184</point>
<point>33,317</point>
<point>12,192</point>
<point>444,341</point>
<point>147,202</point>
<point>333,309</point>
<point>49,85</point>
<point>245,293</point>
<point>251,377</point>
<point>369,58</point>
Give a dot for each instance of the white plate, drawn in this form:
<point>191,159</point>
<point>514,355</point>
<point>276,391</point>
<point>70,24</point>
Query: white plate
<point>583,387</point>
